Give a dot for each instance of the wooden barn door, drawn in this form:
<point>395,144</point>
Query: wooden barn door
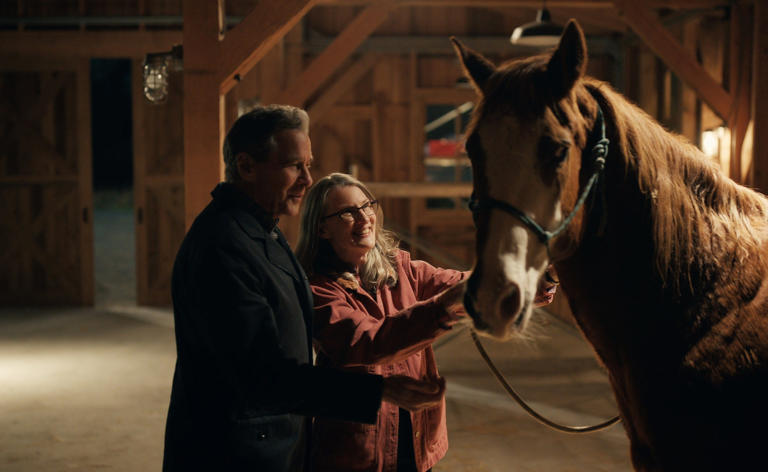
<point>158,149</point>
<point>46,231</point>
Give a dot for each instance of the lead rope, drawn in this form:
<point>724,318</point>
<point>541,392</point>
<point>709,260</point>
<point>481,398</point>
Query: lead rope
<point>541,419</point>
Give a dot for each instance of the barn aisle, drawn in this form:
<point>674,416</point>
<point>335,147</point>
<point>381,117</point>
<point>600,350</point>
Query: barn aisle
<point>87,390</point>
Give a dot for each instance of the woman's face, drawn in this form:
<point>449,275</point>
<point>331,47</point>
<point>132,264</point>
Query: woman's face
<point>351,230</point>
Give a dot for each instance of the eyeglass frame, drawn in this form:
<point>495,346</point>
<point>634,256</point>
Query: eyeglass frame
<point>354,211</point>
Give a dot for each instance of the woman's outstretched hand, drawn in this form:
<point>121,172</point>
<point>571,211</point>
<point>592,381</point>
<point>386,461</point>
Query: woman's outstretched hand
<point>453,301</point>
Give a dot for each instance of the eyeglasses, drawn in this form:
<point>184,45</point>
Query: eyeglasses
<point>349,214</point>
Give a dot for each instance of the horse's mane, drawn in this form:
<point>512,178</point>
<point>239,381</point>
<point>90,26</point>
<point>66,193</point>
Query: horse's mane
<point>703,221</point>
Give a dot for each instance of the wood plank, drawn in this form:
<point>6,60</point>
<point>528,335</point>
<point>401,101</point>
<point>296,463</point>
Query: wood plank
<point>665,46</point>
<point>25,179</point>
<point>445,95</point>
<point>85,183</point>
<point>106,44</point>
<point>348,112</point>
<point>139,180</point>
<point>350,77</point>
<point>271,70</point>
<point>245,45</point>
<point>336,53</point>
<point>760,98</point>
<point>419,189</point>
<point>688,116</point>
<point>416,121</point>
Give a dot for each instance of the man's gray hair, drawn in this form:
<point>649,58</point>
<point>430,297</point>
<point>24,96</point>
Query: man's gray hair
<point>254,134</point>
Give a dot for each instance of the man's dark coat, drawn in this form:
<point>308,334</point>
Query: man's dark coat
<point>244,388</point>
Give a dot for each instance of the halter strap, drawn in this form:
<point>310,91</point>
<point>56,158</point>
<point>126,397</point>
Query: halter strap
<point>599,152</point>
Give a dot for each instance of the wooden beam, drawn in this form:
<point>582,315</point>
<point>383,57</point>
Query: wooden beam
<point>336,53</point>
<point>419,189</point>
<point>107,44</point>
<point>245,45</point>
<point>351,76</point>
<point>760,98</point>
<point>404,44</point>
<point>588,4</point>
<point>677,59</point>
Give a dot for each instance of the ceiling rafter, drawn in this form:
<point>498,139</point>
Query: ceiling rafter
<point>664,45</point>
<point>342,47</point>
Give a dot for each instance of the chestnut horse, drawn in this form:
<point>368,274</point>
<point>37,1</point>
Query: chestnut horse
<point>663,259</point>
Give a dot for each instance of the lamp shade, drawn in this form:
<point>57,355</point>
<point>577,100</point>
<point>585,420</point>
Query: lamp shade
<point>539,33</point>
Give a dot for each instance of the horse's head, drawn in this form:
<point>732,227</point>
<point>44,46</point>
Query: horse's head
<point>525,145</point>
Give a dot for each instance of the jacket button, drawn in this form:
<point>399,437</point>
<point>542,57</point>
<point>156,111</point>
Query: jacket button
<point>417,433</point>
<point>261,435</point>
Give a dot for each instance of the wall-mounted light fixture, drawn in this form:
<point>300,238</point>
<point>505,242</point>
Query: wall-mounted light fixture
<point>157,66</point>
<point>540,33</point>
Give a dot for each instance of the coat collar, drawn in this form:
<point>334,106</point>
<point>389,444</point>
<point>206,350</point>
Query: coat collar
<point>258,224</point>
<point>254,220</point>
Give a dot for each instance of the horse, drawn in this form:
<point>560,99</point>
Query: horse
<point>661,256</point>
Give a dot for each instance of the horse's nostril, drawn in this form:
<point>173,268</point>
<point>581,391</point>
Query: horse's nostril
<point>510,304</point>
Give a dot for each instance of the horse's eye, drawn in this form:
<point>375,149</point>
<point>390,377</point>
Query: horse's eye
<point>562,151</point>
<point>553,151</point>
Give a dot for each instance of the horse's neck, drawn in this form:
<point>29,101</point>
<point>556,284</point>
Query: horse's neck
<point>665,256</point>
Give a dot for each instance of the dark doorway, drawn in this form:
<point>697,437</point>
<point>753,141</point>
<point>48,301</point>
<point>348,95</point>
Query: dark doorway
<point>114,230</point>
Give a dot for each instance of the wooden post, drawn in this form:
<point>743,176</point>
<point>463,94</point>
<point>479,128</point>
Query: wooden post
<point>739,82</point>
<point>203,105</point>
<point>760,98</point>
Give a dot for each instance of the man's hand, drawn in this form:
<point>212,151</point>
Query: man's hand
<point>545,292</point>
<point>411,394</point>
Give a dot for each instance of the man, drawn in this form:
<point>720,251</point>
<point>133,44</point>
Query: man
<point>244,389</point>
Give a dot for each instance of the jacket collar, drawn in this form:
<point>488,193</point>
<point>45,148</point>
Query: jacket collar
<point>254,219</point>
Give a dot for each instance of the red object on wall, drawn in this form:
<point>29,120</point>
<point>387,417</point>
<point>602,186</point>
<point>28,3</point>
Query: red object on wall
<point>444,147</point>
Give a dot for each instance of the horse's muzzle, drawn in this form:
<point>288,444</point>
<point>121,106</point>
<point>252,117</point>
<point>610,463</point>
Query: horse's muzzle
<point>469,305</point>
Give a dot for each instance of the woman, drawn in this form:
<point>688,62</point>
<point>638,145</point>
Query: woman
<point>376,311</point>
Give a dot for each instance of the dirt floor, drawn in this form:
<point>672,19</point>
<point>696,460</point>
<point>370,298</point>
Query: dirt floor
<point>88,389</point>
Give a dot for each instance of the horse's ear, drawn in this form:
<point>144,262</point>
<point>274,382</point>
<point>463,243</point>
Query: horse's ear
<point>476,67</point>
<point>569,61</point>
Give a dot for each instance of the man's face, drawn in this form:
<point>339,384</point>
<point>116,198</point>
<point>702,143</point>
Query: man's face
<point>278,183</point>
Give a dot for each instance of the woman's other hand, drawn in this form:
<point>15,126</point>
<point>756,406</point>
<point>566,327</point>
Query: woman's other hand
<point>547,288</point>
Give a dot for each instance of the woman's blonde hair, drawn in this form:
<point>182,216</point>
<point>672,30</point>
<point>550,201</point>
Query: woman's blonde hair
<point>318,257</point>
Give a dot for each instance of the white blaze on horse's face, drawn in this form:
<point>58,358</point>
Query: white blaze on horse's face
<point>519,150</point>
<point>512,258</point>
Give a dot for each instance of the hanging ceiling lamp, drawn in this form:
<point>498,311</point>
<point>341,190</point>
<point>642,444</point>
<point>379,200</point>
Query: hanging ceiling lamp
<point>540,33</point>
